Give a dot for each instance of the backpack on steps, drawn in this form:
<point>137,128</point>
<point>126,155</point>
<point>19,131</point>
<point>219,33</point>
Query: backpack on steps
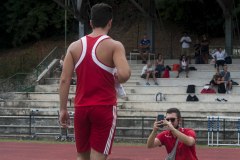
<point>166,73</point>
<point>221,88</point>
<point>191,88</point>
<point>160,97</point>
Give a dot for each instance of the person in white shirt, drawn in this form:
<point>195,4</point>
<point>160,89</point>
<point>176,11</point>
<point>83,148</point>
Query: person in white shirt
<point>148,72</point>
<point>185,44</point>
<point>219,57</point>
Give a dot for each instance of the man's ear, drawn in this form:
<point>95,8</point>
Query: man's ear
<point>110,23</point>
<point>91,23</point>
<point>179,120</point>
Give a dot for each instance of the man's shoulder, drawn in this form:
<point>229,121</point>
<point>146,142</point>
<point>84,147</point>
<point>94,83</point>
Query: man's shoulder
<point>187,130</point>
<point>75,45</point>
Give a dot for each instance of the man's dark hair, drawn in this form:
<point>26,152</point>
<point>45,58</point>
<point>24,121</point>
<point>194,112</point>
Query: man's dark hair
<point>174,110</point>
<point>101,13</point>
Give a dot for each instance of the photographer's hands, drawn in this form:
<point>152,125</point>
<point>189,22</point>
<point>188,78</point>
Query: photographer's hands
<point>164,123</point>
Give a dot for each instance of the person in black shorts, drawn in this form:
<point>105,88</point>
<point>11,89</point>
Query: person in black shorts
<point>219,57</point>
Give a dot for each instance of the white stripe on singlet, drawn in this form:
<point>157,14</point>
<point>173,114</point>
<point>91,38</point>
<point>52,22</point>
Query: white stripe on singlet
<point>110,137</point>
<point>100,64</point>
<point>84,50</point>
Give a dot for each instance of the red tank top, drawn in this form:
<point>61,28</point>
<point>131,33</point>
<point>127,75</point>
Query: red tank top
<point>95,80</point>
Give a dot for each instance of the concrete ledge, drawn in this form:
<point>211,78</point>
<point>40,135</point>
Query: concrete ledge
<point>231,98</point>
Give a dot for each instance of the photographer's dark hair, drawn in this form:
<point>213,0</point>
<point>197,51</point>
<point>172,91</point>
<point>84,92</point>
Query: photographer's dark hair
<point>174,110</point>
<point>101,13</point>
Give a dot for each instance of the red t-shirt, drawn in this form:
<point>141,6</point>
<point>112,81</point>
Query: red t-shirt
<point>183,152</point>
<point>95,80</point>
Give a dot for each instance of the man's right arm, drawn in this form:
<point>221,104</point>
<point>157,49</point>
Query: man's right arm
<point>152,141</point>
<point>65,80</point>
<point>121,63</point>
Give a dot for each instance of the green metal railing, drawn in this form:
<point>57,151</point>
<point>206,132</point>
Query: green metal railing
<point>26,81</point>
<point>55,53</point>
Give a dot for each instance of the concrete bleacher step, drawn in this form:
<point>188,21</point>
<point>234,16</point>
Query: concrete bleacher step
<point>189,109</point>
<point>47,120</point>
<point>137,93</point>
<point>179,89</point>
<point>153,89</point>
<point>172,82</point>
<point>182,81</point>
<point>182,97</point>
<point>192,74</point>
<point>33,103</point>
<point>52,88</point>
<point>55,89</point>
<point>202,75</point>
<point>199,67</point>
<point>25,111</point>
<point>39,96</point>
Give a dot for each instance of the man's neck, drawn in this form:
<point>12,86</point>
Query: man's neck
<point>98,31</point>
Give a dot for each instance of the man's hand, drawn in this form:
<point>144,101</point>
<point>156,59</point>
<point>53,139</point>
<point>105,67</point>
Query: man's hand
<point>168,125</point>
<point>64,119</point>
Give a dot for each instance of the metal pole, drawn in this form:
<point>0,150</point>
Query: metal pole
<point>30,124</point>
<point>212,129</point>
<point>142,128</point>
<point>224,125</point>
<point>65,44</point>
<point>217,130</point>
<point>209,126</point>
<point>238,126</point>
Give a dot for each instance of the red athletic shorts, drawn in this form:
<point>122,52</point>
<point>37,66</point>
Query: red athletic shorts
<point>94,127</point>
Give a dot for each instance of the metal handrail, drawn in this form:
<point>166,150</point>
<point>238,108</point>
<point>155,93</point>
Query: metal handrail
<point>44,63</point>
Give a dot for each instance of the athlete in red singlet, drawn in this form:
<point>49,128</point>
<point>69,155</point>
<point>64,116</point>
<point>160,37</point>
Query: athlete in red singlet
<point>95,59</point>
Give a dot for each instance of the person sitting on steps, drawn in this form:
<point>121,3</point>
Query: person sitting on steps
<point>144,48</point>
<point>227,78</point>
<point>214,80</point>
<point>183,66</point>
<point>159,66</point>
<point>148,72</point>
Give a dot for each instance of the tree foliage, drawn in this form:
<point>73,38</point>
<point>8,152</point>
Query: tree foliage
<point>194,15</point>
<point>31,20</point>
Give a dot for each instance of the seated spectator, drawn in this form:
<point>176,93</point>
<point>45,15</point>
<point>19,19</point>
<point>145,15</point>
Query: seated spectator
<point>227,78</point>
<point>221,84</point>
<point>219,57</point>
<point>144,49</point>
<point>183,66</point>
<point>159,66</point>
<point>214,81</point>
<point>148,72</point>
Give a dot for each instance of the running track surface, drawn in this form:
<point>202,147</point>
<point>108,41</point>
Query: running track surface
<point>43,151</point>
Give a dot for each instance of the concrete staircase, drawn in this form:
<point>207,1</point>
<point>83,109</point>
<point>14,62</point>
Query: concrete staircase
<point>35,114</point>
